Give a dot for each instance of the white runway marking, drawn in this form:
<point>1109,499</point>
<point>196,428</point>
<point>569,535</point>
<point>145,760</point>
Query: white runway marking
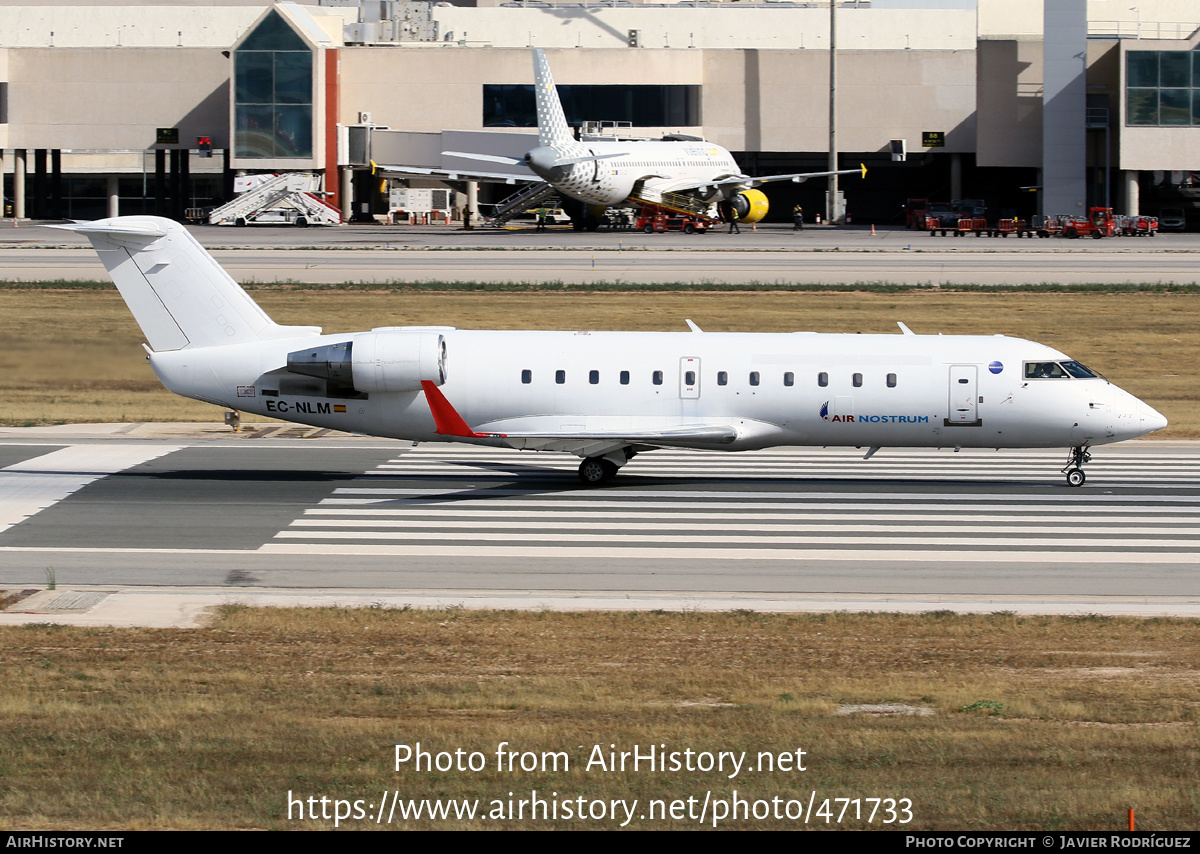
<point>31,486</point>
<point>474,502</point>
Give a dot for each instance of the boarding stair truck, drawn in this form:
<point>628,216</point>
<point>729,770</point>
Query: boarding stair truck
<point>527,197</point>
<point>289,197</point>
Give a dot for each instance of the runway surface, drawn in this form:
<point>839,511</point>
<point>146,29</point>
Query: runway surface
<point>823,528</point>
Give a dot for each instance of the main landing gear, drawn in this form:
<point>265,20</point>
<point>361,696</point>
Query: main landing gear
<point>1074,467</point>
<point>601,469</point>
<point>597,470</point>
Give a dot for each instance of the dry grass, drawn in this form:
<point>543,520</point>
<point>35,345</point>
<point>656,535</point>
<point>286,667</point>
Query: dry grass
<point>1039,722</point>
<point>75,355</point>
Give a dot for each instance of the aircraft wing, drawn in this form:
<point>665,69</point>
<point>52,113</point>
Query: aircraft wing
<point>523,176</point>
<point>585,443</point>
<point>754,181</point>
<point>594,444</point>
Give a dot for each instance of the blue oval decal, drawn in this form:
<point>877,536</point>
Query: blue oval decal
<point>996,367</point>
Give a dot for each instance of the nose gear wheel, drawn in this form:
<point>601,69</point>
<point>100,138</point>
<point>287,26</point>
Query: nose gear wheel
<point>1076,460</point>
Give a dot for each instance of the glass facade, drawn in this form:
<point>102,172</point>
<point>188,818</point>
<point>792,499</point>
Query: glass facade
<point>272,93</point>
<point>641,106</point>
<point>1162,88</point>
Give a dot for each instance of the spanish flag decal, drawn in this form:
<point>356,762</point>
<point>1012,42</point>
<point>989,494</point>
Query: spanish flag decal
<point>339,407</point>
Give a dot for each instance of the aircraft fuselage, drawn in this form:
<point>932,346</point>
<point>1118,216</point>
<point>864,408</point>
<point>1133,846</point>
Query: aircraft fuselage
<point>771,389</point>
<point>653,167</point>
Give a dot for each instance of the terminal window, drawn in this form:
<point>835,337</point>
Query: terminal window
<point>641,106</point>
<point>272,83</point>
<point>1162,88</point>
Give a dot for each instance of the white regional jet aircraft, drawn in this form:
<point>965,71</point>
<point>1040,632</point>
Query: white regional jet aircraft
<point>603,396</point>
<point>659,172</point>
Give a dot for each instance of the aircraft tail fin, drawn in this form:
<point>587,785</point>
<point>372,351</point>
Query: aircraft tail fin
<point>552,122</point>
<point>179,295</point>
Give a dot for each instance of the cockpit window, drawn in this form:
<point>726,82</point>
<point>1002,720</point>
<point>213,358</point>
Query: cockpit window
<point>1057,371</point>
<point>1080,372</point>
<point>1044,371</point>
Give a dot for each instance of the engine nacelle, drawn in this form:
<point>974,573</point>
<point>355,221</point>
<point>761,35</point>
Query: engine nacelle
<point>398,361</point>
<point>373,362</point>
<point>750,205</point>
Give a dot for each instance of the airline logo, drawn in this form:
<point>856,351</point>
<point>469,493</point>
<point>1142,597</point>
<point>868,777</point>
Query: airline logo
<point>872,419</point>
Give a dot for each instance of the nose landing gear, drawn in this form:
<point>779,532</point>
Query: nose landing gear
<point>1074,467</point>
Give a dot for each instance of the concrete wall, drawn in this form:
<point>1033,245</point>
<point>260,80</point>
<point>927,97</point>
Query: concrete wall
<point>1022,19</point>
<point>763,27</point>
<point>1010,103</point>
<point>752,100</point>
<point>192,25</point>
<point>98,98</point>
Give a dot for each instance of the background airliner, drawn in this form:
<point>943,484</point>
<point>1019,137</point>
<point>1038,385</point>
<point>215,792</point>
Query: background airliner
<point>603,396</point>
<point>682,174</point>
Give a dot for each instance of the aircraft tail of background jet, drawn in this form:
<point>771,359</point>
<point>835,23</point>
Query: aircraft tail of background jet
<point>552,122</point>
<point>178,293</point>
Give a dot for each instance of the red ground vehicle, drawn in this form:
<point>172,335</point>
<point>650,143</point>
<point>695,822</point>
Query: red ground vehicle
<point>651,219</point>
<point>1138,226</point>
<point>1099,222</point>
<point>925,215</point>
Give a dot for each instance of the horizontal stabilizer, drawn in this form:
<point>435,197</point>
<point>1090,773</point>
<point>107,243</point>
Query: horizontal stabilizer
<point>567,161</point>
<point>115,229</point>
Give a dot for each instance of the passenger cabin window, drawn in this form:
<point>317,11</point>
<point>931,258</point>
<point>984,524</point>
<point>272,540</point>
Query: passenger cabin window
<point>527,376</point>
<point>560,377</point>
<point>891,380</point>
<point>722,378</point>
<point>822,379</point>
<point>754,378</point>
<point>657,377</point>
<point>789,379</point>
<point>689,377</point>
<point>593,377</point>
<point>858,380</point>
<point>624,377</point>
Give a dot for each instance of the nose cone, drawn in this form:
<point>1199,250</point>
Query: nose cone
<point>1152,419</point>
<point>1136,418</point>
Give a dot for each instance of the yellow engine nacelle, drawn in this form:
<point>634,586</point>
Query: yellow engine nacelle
<point>750,205</point>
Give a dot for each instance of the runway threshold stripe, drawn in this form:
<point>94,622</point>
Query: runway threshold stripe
<point>719,537</point>
<point>638,496</point>
<point>620,554</point>
<point>1084,516</point>
<point>972,475</point>
<point>740,526</point>
<point>454,503</point>
<point>30,486</point>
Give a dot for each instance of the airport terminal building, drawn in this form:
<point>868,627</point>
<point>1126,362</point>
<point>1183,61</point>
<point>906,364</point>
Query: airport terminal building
<point>1035,106</point>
